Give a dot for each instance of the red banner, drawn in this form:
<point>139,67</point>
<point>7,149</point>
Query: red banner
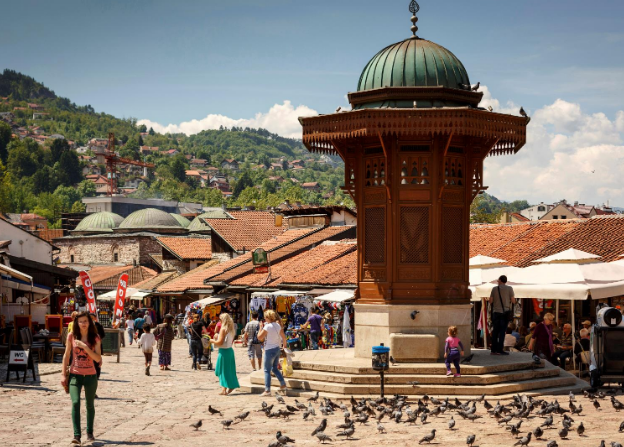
<point>120,298</point>
<point>87,285</point>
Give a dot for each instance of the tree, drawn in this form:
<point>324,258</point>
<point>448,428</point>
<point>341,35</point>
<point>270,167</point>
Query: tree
<point>86,188</point>
<point>6,189</point>
<point>151,131</point>
<point>58,147</point>
<point>178,168</point>
<point>243,182</point>
<point>479,215</point>
<point>285,165</point>
<point>141,143</point>
<point>249,197</point>
<point>78,207</point>
<point>5,138</point>
<point>130,150</point>
<point>20,162</point>
<point>68,171</point>
<point>68,196</point>
<point>143,128</point>
<point>268,186</point>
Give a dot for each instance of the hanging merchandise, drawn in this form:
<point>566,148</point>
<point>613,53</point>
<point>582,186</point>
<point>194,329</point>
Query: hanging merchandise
<point>346,329</point>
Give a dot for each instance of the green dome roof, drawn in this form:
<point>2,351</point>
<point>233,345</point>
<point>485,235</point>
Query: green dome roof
<point>150,218</point>
<point>181,220</point>
<point>413,62</point>
<point>102,222</point>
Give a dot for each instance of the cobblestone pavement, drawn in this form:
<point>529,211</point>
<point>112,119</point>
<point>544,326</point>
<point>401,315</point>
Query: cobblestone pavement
<point>135,410</point>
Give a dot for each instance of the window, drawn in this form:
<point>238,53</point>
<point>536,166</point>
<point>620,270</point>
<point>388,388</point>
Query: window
<point>541,208</point>
<point>115,257</point>
<point>71,258</point>
<point>563,217</point>
<point>555,217</point>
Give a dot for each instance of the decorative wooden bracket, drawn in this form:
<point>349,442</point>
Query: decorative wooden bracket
<point>446,148</point>
<point>388,170</point>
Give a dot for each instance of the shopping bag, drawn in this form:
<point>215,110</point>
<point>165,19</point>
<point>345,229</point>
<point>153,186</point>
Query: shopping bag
<point>287,370</point>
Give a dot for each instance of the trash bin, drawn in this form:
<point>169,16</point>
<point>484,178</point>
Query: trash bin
<point>381,358</point>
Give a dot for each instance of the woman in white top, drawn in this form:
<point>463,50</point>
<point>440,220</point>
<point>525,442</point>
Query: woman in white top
<point>225,368</point>
<point>272,334</point>
<point>130,327</point>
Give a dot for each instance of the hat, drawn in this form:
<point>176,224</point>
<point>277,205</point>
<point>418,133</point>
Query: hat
<point>586,322</point>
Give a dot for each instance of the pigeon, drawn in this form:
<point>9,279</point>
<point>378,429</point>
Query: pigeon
<point>300,405</point>
<point>467,359</point>
<point>197,425</point>
<point>215,411</point>
<point>338,109</point>
<point>622,427</point>
<point>524,441</point>
<point>227,423</point>
<point>321,428</point>
<point>602,443</point>
<point>423,418</point>
<point>305,415</point>
<point>323,437</point>
<point>572,397</point>
<point>464,87</point>
<point>291,408</point>
<point>490,108</point>
<point>392,360</point>
<point>348,432</point>
<point>314,398</point>
<point>276,444</point>
<point>616,444</point>
<point>470,440</point>
<point>476,87</point>
<point>428,438</point>
<point>552,444</point>
<point>514,431</point>
<point>283,438</point>
<point>279,398</point>
<point>451,423</point>
<point>548,422</point>
<point>523,113</point>
<point>241,417</point>
<point>563,433</point>
<point>596,405</point>
<point>538,432</point>
<point>381,428</point>
<point>580,429</point>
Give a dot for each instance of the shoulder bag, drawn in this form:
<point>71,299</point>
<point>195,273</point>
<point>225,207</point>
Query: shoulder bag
<point>507,313</point>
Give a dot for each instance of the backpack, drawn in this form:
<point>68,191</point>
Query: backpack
<point>254,338</point>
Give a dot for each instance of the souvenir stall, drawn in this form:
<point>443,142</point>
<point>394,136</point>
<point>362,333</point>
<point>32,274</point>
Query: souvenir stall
<point>213,306</point>
<point>281,301</point>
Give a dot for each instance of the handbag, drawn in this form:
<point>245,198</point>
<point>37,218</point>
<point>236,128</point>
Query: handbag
<point>508,314</point>
<point>585,355</point>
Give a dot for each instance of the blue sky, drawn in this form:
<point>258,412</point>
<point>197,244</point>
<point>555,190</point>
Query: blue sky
<point>177,61</point>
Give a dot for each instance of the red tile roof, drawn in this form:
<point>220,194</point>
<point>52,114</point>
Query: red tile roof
<point>520,217</point>
<point>248,229</point>
<point>152,283</point>
<point>341,271</point>
<point>186,248</point>
<point>107,277</point>
<point>484,239</point>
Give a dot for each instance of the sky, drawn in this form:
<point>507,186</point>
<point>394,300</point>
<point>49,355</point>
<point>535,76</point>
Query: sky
<point>191,65</point>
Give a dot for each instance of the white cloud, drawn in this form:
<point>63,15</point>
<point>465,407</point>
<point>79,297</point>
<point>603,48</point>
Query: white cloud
<point>569,154</point>
<point>280,119</point>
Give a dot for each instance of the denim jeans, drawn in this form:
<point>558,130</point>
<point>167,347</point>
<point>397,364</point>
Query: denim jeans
<point>314,338</point>
<point>271,360</point>
<point>130,335</point>
<point>197,350</point>
<point>188,339</point>
<point>560,356</point>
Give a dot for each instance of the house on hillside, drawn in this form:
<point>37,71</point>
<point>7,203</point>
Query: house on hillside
<point>275,166</point>
<point>35,106</point>
<point>536,212</point>
<point>146,150</point>
<point>219,183</point>
<point>7,116</point>
<point>296,164</point>
<point>40,115</point>
<point>229,163</point>
<point>311,186</point>
<point>198,162</point>
<point>28,221</point>
<point>172,152</point>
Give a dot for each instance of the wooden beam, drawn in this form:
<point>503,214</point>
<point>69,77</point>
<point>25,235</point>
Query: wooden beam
<point>448,144</point>
<point>387,181</point>
<point>491,146</point>
<point>446,148</point>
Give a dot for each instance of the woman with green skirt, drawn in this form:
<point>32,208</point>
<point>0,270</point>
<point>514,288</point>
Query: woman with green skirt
<point>225,369</point>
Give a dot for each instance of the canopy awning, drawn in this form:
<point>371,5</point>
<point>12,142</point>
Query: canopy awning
<point>337,296</point>
<point>15,273</point>
<point>131,293</point>
<point>24,287</point>
<point>287,293</point>
<point>214,299</point>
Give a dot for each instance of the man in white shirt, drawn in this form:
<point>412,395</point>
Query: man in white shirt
<point>148,319</point>
<point>501,299</point>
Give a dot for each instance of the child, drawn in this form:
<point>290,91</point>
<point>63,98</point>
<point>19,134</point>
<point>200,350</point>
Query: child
<point>452,351</point>
<point>147,342</point>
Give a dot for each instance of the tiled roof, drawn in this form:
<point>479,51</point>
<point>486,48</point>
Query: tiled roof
<point>152,283</point>
<point>4,244</point>
<point>278,252</point>
<point>292,269</point>
<point>520,217</point>
<point>484,239</point>
<point>340,271</point>
<point>186,248</point>
<point>248,229</point>
<point>107,277</point>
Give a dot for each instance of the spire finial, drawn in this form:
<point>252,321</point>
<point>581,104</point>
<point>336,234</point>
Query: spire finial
<point>414,7</point>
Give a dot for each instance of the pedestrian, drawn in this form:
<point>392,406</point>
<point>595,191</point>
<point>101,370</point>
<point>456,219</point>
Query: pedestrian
<point>85,347</point>
<point>541,343</point>
<point>164,335</point>
<point>147,342</point>
<point>564,349</point>
<point>453,351</point>
<point>272,334</point>
<point>187,330</point>
<point>254,347</point>
<point>179,319</point>
<point>71,323</point>
<point>148,318</point>
<point>225,369</point>
<point>138,326</point>
<point>121,327</point>
<point>197,348</point>
<point>314,323</point>
<point>501,299</point>
<point>130,328</point>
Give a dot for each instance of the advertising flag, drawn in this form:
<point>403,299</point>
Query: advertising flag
<point>120,298</point>
<point>87,285</point>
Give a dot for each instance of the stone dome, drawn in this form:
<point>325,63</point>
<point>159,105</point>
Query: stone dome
<point>150,219</point>
<point>413,62</point>
<point>181,220</point>
<point>102,222</point>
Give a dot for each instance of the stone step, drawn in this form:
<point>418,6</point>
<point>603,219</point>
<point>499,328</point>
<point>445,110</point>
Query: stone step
<point>448,388</point>
<point>427,379</point>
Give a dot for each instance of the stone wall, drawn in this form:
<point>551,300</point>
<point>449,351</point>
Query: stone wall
<point>101,250</point>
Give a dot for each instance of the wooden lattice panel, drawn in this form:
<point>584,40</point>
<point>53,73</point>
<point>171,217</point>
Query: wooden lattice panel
<point>414,233</point>
<point>375,235</point>
<point>415,170</point>
<point>454,171</point>
<point>452,235</point>
<point>374,172</point>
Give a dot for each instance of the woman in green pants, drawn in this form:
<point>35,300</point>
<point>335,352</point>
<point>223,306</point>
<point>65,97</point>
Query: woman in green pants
<point>84,347</point>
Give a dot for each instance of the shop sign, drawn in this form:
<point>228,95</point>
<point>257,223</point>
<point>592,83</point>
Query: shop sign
<point>19,357</point>
<point>260,257</point>
<point>87,285</point>
<point>120,298</point>
<point>261,269</point>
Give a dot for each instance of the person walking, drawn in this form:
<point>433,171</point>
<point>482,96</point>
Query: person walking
<point>541,343</point>
<point>164,334</point>
<point>130,329</point>
<point>254,347</point>
<point>147,343</point>
<point>147,318</point>
<point>121,327</point>
<point>272,334</point>
<point>138,326</point>
<point>225,369</point>
<point>501,299</point>
<point>197,348</point>
<point>85,347</point>
<point>453,351</point>
<point>314,323</point>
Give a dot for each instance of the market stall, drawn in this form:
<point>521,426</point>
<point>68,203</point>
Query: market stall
<point>214,305</point>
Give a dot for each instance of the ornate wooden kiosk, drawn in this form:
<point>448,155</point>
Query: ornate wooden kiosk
<point>413,146</point>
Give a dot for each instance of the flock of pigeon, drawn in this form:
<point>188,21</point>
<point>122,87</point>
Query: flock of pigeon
<point>551,420</point>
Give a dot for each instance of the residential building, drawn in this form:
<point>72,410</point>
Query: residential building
<point>507,217</point>
<point>229,163</point>
<point>311,186</point>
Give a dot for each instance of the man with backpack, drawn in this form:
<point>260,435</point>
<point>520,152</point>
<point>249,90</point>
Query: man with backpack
<point>254,346</point>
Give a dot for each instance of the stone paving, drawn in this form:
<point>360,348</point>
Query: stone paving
<point>135,410</point>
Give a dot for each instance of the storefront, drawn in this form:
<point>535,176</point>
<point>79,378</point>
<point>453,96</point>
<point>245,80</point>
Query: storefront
<point>212,306</point>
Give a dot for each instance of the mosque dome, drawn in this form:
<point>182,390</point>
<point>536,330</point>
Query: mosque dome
<point>197,226</point>
<point>181,220</point>
<point>102,222</point>
<point>151,219</point>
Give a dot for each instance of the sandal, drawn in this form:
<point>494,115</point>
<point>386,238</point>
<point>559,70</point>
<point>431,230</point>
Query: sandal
<point>266,394</point>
